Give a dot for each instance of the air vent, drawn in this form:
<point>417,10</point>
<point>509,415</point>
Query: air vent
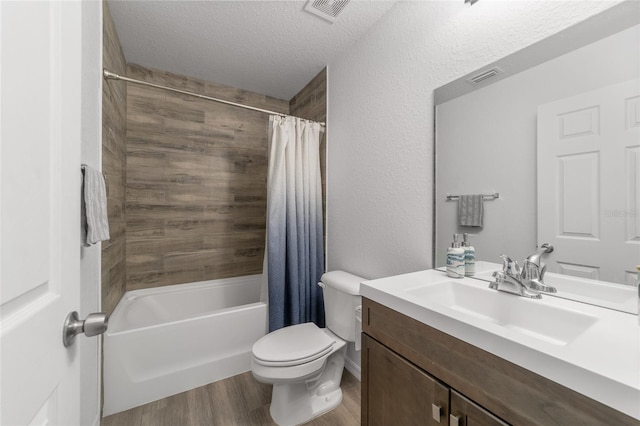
<point>484,75</point>
<point>326,9</point>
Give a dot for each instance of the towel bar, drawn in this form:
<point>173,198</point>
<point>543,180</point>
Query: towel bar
<point>484,196</point>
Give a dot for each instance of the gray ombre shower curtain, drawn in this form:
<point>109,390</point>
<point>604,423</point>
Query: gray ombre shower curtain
<point>294,257</point>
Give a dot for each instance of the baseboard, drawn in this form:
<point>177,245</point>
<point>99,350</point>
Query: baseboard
<point>352,368</point>
<point>96,422</point>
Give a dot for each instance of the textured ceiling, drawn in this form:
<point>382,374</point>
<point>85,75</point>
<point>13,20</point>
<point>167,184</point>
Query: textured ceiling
<point>269,47</point>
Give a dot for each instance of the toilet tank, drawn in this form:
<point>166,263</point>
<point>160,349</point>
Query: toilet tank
<point>341,291</point>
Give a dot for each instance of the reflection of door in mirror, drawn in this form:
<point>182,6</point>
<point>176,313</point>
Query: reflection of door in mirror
<point>588,182</point>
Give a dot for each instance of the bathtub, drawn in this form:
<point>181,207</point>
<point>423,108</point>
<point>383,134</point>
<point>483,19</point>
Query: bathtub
<point>167,340</point>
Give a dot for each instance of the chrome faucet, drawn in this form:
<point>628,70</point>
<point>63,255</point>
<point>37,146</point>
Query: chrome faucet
<point>526,282</point>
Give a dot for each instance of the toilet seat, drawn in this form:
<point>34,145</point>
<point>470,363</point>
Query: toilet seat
<point>293,345</point>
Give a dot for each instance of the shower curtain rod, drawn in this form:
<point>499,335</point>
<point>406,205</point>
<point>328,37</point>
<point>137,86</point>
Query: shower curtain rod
<point>108,75</point>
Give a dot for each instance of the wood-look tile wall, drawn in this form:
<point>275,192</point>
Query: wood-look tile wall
<point>113,166</point>
<point>311,103</point>
<point>196,181</point>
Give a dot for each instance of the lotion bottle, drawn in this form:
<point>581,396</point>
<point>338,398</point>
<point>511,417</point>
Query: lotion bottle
<point>469,257</point>
<point>455,259</point>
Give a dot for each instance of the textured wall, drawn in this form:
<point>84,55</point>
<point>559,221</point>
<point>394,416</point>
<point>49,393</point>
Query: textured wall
<point>113,165</point>
<point>196,181</point>
<point>380,156</point>
<point>311,103</point>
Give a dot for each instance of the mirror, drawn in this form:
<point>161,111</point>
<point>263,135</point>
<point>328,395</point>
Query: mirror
<point>554,129</point>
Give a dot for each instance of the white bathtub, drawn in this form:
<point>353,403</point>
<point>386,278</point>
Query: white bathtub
<point>167,340</point>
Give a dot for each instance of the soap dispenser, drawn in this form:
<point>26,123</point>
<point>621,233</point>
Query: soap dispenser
<point>469,257</point>
<point>455,259</point>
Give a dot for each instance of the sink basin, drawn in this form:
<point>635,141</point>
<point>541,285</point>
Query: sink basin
<point>533,318</point>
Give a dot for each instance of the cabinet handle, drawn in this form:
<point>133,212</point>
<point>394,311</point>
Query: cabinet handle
<point>454,420</point>
<point>435,412</point>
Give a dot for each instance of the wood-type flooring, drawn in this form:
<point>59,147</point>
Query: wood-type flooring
<point>237,401</point>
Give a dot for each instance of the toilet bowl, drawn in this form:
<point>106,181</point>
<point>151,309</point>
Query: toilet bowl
<point>304,362</point>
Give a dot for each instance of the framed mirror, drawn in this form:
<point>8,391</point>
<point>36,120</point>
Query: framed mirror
<point>554,131</point>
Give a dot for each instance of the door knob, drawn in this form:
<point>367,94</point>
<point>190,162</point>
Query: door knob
<point>93,325</point>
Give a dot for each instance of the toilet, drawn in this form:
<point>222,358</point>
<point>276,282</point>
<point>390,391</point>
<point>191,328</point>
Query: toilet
<point>303,362</point>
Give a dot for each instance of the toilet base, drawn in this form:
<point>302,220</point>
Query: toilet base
<point>297,403</point>
<point>297,408</point>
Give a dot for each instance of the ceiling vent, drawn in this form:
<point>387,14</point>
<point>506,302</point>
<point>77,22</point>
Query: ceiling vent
<point>326,9</point>
<point>484,75</point>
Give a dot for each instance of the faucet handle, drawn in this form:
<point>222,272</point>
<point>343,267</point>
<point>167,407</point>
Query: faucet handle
<point>533,275</point>
<point>530,271</point>
<point>509,266</point>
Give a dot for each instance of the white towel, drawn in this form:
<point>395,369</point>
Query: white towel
<point>95,224</point>
<point>471,210</point>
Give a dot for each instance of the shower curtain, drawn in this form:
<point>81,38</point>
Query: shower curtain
<point>294,257</point>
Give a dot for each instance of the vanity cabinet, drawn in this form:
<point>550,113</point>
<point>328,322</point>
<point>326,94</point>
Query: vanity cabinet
<point>408,368</point>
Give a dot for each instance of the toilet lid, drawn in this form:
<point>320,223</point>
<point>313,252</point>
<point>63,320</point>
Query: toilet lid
<point>291,345</point>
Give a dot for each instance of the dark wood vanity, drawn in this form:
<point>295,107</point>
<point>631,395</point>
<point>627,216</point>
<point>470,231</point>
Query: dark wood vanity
<point>416,374</point>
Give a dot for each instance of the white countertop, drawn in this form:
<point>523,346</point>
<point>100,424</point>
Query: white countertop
<point>602,362</point>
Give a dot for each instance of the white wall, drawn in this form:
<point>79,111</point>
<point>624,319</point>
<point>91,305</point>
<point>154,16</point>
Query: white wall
<point>491,135</point>
<point>380,103</point>
<point>380,115</point>
<point>90,257</point>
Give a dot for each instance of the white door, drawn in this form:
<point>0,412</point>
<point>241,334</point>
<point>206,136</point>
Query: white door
<point>40,210</point>
<point>589,183</point>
